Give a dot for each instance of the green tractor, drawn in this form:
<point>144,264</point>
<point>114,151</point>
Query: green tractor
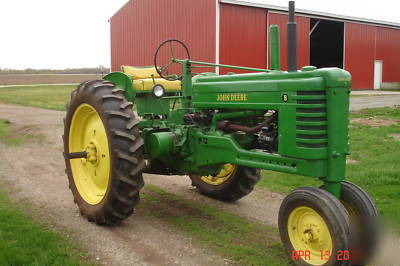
<point>220,130</point>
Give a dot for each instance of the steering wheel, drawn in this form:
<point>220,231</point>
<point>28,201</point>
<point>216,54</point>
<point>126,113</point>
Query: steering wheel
<point>165,65</point>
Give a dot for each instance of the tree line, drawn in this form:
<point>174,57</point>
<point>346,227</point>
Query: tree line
<point>86,70</point>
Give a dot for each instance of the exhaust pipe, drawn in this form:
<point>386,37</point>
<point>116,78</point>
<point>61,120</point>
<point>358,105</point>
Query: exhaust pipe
<point>291,40</point>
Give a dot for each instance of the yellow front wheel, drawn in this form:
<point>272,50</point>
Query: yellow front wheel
<point>103,152</point>
<point>231,183</point>
<point>314,228</point>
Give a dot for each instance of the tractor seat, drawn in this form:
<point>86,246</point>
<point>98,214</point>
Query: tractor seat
<point>143,81</point>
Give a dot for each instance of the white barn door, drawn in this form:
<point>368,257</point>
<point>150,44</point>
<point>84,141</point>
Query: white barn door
<point>377,74</point>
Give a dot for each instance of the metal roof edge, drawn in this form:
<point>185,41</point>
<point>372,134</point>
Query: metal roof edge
<point>122,7</point>
<point>315,13</point>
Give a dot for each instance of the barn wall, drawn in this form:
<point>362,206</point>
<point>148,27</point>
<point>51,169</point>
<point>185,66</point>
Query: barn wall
<point>242,37</point>
<point>366,43</point>
<point>141,25</point>
<point>303,39</point>
<point>388,50</point>
<point>359,54</point>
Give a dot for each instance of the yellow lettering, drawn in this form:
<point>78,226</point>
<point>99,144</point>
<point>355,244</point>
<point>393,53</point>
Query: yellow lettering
<point>237,97</point>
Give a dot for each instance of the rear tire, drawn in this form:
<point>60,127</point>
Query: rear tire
<point>240,183</point>
<point>125,160</point>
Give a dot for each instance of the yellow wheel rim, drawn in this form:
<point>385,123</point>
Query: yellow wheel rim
<point>308,231</point>
<point>226,172</point>
<point>91,174</point>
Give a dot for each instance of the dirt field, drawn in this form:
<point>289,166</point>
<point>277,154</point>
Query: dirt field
<point>22,79</point>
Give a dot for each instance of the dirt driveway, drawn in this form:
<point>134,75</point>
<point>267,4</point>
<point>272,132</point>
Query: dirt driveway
<point>34,174</point>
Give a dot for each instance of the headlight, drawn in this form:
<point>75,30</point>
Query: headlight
<point>158,91</point>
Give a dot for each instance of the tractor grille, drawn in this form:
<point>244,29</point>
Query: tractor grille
<point>311,121</point>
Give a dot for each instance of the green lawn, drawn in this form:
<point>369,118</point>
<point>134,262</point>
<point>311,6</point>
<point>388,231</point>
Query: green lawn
<point>377,166</point>
<point>45,96</point>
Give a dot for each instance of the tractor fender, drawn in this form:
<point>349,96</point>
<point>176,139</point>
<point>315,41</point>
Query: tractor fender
<point>124,82</point>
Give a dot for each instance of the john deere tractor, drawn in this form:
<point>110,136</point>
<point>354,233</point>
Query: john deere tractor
<point>220,130</point>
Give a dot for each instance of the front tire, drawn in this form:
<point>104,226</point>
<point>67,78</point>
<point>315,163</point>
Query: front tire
<point>106,183</point>
<point>364,222</point>
<point>314,228</point>
<point>230,184</point>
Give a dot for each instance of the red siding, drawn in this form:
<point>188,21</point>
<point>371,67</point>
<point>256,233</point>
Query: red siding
<point>388,50</point>
<point>139,27</point>
<point>242,36</point>
<point>303,40</point>
<point>359,54</point>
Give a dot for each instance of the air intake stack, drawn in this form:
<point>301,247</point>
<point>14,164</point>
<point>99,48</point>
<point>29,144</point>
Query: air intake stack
<point>291,40</point>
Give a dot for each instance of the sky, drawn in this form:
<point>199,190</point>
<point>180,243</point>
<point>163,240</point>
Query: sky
<point>55,33</point>
<point>75,33</point>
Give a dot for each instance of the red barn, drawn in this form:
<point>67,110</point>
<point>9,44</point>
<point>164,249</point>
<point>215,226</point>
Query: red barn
<point>236,33</point>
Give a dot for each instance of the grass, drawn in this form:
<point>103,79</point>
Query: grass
<point>25,242</point>
<point>16,138</point>
<point>52,97</point>
<point>243,241</point>
<point>377,167</point>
